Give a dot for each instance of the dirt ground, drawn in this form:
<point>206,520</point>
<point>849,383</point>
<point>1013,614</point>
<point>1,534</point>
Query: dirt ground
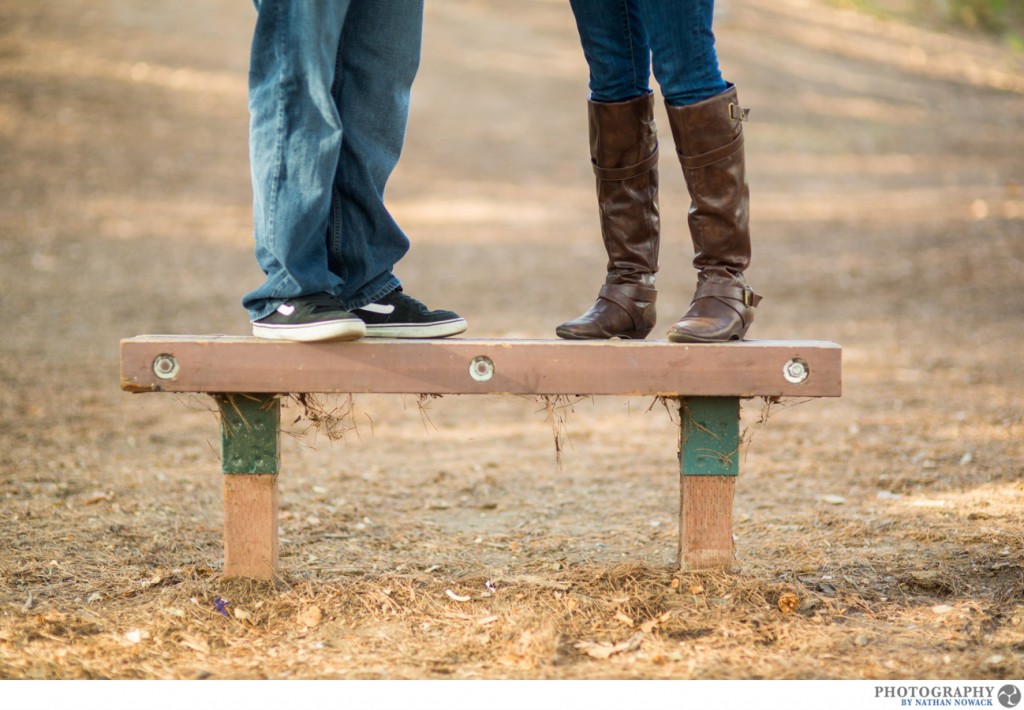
<point>878,536</point>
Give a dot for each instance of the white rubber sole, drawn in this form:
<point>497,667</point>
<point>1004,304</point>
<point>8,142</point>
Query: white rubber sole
<point>353,329</point>
<point>442,329</point>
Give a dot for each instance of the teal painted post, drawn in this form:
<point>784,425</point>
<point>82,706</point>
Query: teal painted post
<point>250,433</point>
<point>710,437</point>
<point>709,443</point>
<point>251,460</point>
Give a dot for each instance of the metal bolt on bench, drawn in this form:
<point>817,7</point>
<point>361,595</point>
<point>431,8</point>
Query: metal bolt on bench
<point>246,377</point>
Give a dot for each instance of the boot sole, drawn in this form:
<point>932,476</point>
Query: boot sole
<point>635,335</point>
<point>686,338</point>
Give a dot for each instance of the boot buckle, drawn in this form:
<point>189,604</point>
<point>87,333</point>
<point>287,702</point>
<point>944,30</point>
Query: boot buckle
<point>737,113</point>
<point>750,299</point>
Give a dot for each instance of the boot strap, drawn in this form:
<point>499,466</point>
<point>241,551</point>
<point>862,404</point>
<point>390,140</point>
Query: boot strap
<point>744,294</point>
<point>626,295</point>
<point>630,171</point>
<point>711,157</point>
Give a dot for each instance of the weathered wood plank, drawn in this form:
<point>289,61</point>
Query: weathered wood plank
<point>251,540</point>
<point>705,522</point>
<point>185,363</point>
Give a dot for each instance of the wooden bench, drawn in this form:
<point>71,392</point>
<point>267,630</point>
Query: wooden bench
<point>247,375</point>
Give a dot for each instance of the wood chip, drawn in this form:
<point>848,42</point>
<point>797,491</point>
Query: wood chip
<point>788,603</point>
<point>606,650</point>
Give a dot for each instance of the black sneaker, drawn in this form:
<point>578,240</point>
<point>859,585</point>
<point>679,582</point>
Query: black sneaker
<point>400,316</point>
<point>310,318</point>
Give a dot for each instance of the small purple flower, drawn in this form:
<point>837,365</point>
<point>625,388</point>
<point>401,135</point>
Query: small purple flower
<point>221,603</point>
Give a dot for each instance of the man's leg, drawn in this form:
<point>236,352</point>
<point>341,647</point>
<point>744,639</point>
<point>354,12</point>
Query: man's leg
<point>377,62</point>
<point>295,137</point>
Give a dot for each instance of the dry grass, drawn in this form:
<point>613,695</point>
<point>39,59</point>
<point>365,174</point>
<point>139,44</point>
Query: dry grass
<point>878,536</point>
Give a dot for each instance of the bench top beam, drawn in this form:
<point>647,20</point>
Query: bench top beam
<point>223,363</point>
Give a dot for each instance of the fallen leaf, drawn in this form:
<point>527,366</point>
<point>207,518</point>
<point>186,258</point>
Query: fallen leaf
<point>311,617</point>
<point>651,624</point>
<point>196,643</point>
<point>926,579</point>
<point>533,580</point>
<point>597,650</point>
<point>136,635</point>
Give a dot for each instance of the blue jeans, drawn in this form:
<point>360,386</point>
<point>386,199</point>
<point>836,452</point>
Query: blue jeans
<point>329,84</point>
<point>623,40</point>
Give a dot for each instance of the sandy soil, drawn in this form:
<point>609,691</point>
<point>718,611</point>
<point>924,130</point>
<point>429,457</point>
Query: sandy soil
<point>886,171</point>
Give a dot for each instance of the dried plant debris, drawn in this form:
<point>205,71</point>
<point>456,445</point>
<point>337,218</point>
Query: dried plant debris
<point>334,416</point>
<point>557,409</point>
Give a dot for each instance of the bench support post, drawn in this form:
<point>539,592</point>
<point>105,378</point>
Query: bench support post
<point>709,442</point>
<point>250,446</point>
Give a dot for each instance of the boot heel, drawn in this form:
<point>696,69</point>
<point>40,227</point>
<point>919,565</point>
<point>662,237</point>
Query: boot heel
<point>635,334</point>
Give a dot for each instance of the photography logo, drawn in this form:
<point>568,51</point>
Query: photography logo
<point>929,695</point>
<point>1009,696</point>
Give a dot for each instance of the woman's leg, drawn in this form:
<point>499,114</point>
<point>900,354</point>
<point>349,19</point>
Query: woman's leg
<point>616,48</point>
<point>682,43</point>
<point>706,122</point>
<point>624,154</point>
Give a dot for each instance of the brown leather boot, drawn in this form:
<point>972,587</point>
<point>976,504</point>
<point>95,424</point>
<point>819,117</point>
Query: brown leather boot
<point>624,152</point>
<point>709,141</point>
